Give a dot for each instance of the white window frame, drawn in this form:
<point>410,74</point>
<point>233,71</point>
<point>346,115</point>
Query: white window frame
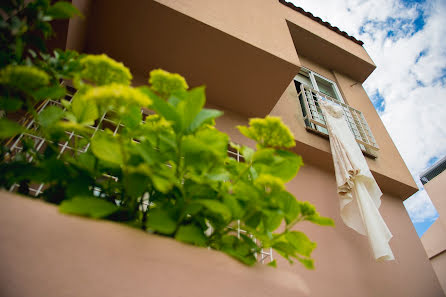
<point>315,122</point>
<point>312,76</point>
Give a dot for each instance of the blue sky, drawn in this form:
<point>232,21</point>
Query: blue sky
<point>405,39</point>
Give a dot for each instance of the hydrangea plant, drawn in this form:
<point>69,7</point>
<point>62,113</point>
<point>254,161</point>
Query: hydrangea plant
<point>166,171</point>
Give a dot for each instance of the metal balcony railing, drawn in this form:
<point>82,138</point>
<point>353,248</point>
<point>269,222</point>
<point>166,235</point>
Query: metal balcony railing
<point>315,121</point>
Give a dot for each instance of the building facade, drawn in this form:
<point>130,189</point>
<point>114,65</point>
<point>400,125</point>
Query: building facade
<point>269,57</point>
<point>434,239</point>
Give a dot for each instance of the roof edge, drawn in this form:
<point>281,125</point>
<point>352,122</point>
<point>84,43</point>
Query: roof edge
<point>320,21</point>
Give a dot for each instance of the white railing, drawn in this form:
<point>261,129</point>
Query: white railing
<point>315,121</point>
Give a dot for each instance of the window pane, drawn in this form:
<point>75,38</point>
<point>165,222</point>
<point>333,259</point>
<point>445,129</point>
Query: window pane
<point>326,87</point>
<point>304,78</point>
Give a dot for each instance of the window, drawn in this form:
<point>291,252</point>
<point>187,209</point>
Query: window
<point>311,87</point>
<point>319,83</point>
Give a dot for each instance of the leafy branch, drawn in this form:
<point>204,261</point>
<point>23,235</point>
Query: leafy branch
<point>166,170</point>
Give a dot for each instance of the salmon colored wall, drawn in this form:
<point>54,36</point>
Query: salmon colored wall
<point>388,167</point>
<point>434,239</point>
<point>391,172</point>
<point>436,188</point>
<point>46,253</point>
<point>61,255</point>
<point>439,264</point>
<point>78,26</point>
<point>262,24</point>
<point>344,263</point>
<point>252,21</point>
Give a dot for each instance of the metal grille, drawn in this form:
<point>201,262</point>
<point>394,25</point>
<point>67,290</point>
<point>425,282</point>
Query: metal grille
<point>39,143</point>
<point>106,121</point>
<point>315,121</point>
<point>266,255</point>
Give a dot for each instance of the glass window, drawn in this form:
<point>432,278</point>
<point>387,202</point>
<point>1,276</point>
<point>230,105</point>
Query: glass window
<point>326,87</point>
<point>304,77</point>
<point>319,83</point>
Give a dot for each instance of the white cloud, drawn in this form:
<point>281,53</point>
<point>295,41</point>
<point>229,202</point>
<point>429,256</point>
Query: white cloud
<point>414,95</point>
<point>420,207</point>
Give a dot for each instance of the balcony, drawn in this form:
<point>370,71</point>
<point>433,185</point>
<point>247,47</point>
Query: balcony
<point>315,121</point>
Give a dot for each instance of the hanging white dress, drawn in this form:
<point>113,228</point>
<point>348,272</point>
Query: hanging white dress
<point>359,194</point>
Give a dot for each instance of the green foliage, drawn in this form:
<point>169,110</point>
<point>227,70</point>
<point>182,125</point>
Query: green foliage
<point>191,234</point>
<point>9,128</point>
<point>106,147</point>
<point>167,172</point>
<point>161,221</point>
<point>269,132</point>
<point>115,96</point>
<point>23,78</point>
<point>166,84</point>
<point>102,70</point>
<point>25,25</point>
<point>62,10</point>
<point>88,206</point>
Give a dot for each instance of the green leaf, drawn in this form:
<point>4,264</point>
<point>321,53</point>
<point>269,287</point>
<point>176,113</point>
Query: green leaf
<point>10,103</point>
<point>204,116</point>
<point>49,93</point>
<point>279,163</point>
<point>208,140</point>
<point>189,108</point>
<point>106,147</point>
<point>135,184</point>
<point>62,10</point>
<point>86,161</point>
<point>216,207</point>
<point>308,263</point>
<point>218,174</point>
<point>174,100</point>
<point>289,205</point>
<point>19,48</point>
<point>247,153</point>
<point>240,248</point>
<point>254,220</point>
<point>9,129</point>
<point>79,186</point>
<point>273,264</point>
<point>163,179</point>
<point>131,117</point>
<point>88,206</point>
<point>160,221</point>
<point>285,249</point>
<point>192,209</point>
<point>272,219</point>
<point>323,221</point>
<point>234,206</point>
<point>191,234</point>
<point>50,116</point>
<point>301,243</point>
<point>85,112</point>
<point>163,108</point>
<point>248,259</point>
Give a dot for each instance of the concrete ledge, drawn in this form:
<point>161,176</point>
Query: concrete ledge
<point>45,253</point>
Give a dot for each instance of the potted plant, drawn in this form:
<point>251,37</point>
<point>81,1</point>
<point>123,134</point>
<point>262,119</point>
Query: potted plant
<point>160,166</point>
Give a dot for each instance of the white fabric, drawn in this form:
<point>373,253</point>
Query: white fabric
<point>358,191</point>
